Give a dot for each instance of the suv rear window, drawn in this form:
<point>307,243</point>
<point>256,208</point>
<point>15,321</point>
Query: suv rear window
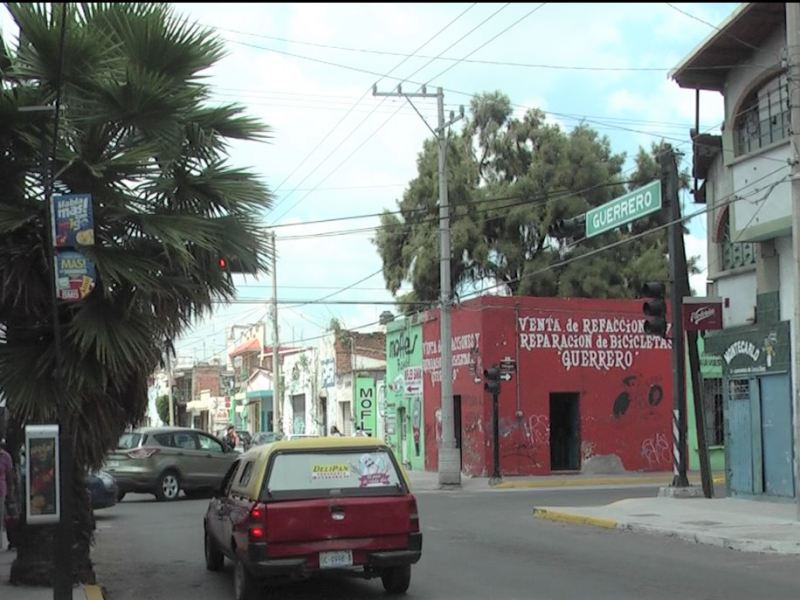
<point>343,472</point>
<point>129,441</point>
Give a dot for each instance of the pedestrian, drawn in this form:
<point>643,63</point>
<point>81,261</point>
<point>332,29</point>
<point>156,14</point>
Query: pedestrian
<point>6,486</point>
<point>335,431</point>
<point>231,438</point>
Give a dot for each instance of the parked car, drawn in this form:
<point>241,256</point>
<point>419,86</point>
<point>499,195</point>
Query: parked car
<point>165,460</point>
<point>266,437</point>
<point>333,505</point>
<point>103,489</point>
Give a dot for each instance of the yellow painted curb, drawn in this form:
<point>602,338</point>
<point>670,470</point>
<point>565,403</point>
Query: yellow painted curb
<point>507,485</point>
<point>563,517</point>
<point>93,592</point>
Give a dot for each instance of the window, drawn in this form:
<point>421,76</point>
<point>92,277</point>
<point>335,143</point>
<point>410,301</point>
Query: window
<point>734,255</point>
<point>763,118</point>
<point>229,476</point>
<point>247,472</point>
<point>128,441</point>
<point>207,443</point>
<point>715,421</point>
<point>343,472</point>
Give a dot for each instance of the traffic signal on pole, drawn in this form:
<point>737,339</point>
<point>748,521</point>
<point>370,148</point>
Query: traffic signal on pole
<point>655,309</point>
<point>567,228</point>
<point>492,376</point>
<point>232,264</point>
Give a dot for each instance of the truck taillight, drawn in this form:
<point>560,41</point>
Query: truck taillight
<point>413,514</point>
<point>257,522</point>
<point>142,453</point>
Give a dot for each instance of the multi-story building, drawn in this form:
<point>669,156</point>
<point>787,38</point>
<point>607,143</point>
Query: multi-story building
<point>746,184</point>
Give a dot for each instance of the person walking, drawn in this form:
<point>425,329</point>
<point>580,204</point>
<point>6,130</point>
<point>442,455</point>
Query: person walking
<point>6,487</point>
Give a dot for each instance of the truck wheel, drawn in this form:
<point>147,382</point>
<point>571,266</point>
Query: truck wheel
<point>245,585</point>
<point>215,560</point>
<point>396,579</point>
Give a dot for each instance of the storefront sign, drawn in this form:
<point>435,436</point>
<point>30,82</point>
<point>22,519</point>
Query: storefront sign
<point>757,352</point>
<point>42,494</point>
<point>75,276</point>
<point>702,314</point>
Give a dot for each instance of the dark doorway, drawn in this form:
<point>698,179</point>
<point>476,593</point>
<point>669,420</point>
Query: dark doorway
<point>565,435</point>
<point>457,428</point>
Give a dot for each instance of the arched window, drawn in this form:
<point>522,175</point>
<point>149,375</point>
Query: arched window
<point>733,255</point>
<point>763,118</point>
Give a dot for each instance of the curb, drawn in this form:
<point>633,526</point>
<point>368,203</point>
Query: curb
<point>594,482</point>
<point>93,592</point>
<point>564,517</point>
<point>720,541</point>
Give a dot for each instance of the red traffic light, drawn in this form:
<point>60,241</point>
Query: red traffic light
<point>223,263</point>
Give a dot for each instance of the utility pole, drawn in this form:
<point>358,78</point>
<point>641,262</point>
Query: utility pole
<point>679,276</point>
<point>277,392</point>
<point>449,460</point>
<point>793,44</point>
<point>169,392</point>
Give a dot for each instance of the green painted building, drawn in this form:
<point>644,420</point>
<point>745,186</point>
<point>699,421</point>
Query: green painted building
<point>404,427</point>
<point>711,380</point>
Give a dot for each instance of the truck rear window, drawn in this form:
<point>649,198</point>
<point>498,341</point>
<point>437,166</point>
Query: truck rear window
<point>343,472</point>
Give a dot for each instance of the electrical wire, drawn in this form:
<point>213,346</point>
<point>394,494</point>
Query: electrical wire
<point>336,126</point>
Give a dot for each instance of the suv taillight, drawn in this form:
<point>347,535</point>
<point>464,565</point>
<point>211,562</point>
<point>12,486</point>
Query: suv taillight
<point>257,522</point>
<point>142,453</point>
<point>413,514</point>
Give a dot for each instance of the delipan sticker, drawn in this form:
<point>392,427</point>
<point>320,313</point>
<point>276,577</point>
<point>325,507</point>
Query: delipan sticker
<point>330,471</point>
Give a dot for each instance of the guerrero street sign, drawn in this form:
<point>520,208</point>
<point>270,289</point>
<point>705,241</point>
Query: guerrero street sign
<point>619,211</point>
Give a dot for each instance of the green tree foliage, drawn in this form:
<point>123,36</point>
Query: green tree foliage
<point>509,178</point>
<point>137,132</point>
<point>162,407</point>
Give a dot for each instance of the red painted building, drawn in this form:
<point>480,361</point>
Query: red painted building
<point>590,388</point>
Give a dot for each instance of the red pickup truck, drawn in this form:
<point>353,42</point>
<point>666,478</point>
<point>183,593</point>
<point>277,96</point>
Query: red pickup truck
<point>300,508</point>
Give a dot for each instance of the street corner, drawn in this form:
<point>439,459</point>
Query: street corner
<point>94,592</point>
<point>560,516</point>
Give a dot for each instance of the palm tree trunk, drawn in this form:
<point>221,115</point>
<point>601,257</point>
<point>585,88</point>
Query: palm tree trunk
<point>34,565</point>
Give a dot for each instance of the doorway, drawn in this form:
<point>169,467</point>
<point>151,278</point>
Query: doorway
<point>565,435</point>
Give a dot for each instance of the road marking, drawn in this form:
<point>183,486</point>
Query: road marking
<point>93,592</point>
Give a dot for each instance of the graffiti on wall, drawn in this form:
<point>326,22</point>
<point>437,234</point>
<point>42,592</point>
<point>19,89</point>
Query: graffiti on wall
<point>639,392</point>
<point>601,343</point>
<point>401,349</point>
<point>656,451</point>
<point>463,350</point>
<point>527,438</point>
<point>328,367</point>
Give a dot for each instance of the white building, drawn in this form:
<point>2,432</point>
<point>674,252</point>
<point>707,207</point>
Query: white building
<point>746,185</point>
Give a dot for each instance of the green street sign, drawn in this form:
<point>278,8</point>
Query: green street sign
<point>619,211</point>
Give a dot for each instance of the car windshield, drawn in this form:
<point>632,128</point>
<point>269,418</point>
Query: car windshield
<point>319,474</point>
<point>129,440</point>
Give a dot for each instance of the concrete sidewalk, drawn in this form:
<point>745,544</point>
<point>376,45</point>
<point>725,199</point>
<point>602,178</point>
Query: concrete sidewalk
<point>429,481</point>
<point>744,525</point>
<point>12,592</point>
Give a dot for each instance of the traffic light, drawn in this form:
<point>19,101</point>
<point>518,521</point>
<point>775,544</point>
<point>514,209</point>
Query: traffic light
<point>232,264</point>
<point>655,309</point>
<point>568,228</point>
<point>492,384</point>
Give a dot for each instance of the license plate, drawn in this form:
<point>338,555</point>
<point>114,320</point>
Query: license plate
<point>336,559</point>
<point>113,463</point>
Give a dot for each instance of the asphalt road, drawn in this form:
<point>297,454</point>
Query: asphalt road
<point>477,546</point>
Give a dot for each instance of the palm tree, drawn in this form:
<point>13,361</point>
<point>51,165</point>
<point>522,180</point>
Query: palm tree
<point>137,131</point>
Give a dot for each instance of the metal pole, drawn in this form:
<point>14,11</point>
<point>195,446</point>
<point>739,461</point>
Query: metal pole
<point>496,476</point>
<point>449,460</point>
<point>170,396</point>
<point>675,245</point>
<point>793,43</point>
<point>277,392</point>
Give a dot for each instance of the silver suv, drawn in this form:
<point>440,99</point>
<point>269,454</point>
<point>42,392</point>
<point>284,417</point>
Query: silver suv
<point>165,460</point>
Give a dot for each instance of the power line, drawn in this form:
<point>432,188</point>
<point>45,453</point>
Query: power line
<point>336,126</point>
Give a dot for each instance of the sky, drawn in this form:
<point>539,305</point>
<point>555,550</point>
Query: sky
<point>336,151</point>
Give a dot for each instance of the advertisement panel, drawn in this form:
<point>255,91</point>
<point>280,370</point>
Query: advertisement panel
<point>42,494</point>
